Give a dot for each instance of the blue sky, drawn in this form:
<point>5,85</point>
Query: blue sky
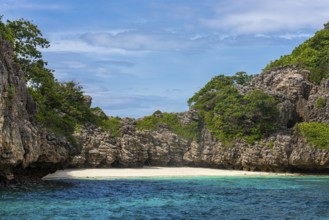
<point>137,56</point>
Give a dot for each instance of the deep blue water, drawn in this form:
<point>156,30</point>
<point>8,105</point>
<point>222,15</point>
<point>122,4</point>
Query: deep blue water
<point>172,198</point>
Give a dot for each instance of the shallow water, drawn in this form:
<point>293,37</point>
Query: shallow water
<point>172,198</point>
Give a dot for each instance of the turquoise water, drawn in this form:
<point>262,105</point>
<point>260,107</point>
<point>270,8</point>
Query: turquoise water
<point>172,198</point>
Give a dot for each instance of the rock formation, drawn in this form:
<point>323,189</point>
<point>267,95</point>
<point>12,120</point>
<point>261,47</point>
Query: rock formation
<point>26,150</point>
<point>282,151</point>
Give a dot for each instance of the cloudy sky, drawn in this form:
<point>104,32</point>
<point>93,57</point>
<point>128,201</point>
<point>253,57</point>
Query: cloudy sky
<point>136,56</point>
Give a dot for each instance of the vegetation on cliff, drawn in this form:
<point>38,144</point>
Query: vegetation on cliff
<point>315,133</point>
<point>312,55</point>
<point>171,122</point>
<point>61,105</point>
<point>225,105</point>
<point>230,114</point>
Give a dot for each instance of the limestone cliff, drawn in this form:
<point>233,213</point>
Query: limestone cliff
<point>27,151</point>
<point>284,150</point>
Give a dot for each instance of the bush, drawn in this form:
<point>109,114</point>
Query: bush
<point>61,105</point>
<point>320,102</point>
<point>11,91</point>
<point>313,55</point>
<point>231,115</point>
<point>170,121</point>
<point>112,125</point>
<point>315,133</point>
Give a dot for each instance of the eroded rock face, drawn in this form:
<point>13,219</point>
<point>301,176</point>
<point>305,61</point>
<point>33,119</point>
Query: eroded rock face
<point>26,150</point>
<point>299,98</point>
<point>29,151</point>
<point>283,151</point>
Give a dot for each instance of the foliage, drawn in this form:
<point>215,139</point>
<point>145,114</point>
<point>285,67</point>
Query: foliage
<point>313,55</point>
<point>320,102</point>
<point>270,144</point>
<point>6,33</point>
<point>316,134</point>
<point>170,121</point>
<point>207,98</point>
<point>64,110</point>
<point>242,78</point>
<point>112,125</point>
<point>11,91</point>
<point>27,39</point>
<point>231,115</point>
<point>61,105</point>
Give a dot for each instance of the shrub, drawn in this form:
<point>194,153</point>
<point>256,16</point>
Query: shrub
<point>320,102</point>
<point>231,115</point>
<point>112,125</point>
<point>170,121</point>
<point>61,106</point>
<point>313,55</point>
<point>11,91</point>
<point>315,133</point>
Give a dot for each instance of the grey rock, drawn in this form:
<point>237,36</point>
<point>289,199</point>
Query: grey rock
<point>26,149</point>
<point>282,151</point>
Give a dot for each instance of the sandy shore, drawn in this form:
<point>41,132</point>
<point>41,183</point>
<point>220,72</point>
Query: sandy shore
<point>151,172</point>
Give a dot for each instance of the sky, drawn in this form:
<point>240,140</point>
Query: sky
<point>134,57</point>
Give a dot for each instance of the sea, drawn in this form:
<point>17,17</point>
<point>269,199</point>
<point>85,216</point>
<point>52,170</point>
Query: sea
<point>242,197</point>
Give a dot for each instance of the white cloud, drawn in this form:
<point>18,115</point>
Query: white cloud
<point>136,40</point>
<point>266,16</point>
<point>74,64</point>
<point>262,36</point>
<point>290,36</point>
<point>197,37</point>
<point>79,46</point>
<point>119,63</point>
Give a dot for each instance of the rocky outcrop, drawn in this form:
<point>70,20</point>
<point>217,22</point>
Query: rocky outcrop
<point>300,100</point>
<point>282,151</point>
<point>26,150</point>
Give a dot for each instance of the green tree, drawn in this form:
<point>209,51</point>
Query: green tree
<point>232,115</point>
<point>61,106</point>
<point>27,39</point>
<point>313,55</point>
<point>206,97</point>
<point>315,133</point>
<point>242,78</point>
<point>6,32</point>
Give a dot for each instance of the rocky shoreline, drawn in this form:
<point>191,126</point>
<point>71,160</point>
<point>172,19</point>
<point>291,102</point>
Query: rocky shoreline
<point>283,151</point>
<point>28,151</point>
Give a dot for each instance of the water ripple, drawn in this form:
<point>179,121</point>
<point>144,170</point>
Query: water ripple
<point>176,198</point>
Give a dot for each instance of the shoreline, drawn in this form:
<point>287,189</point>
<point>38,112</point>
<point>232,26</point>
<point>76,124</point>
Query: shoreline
<point>149,172</point>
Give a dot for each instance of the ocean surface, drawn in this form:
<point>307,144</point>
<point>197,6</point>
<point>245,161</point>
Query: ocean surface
<point>305,197</point>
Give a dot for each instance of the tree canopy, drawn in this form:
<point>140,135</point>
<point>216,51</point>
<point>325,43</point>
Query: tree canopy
<point>232,115</point>
<point>61,105</point>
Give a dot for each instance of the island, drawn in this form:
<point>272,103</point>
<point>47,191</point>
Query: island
<point>277,121</point>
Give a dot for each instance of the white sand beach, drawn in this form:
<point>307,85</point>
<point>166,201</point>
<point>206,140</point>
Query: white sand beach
<point>152,172</point>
